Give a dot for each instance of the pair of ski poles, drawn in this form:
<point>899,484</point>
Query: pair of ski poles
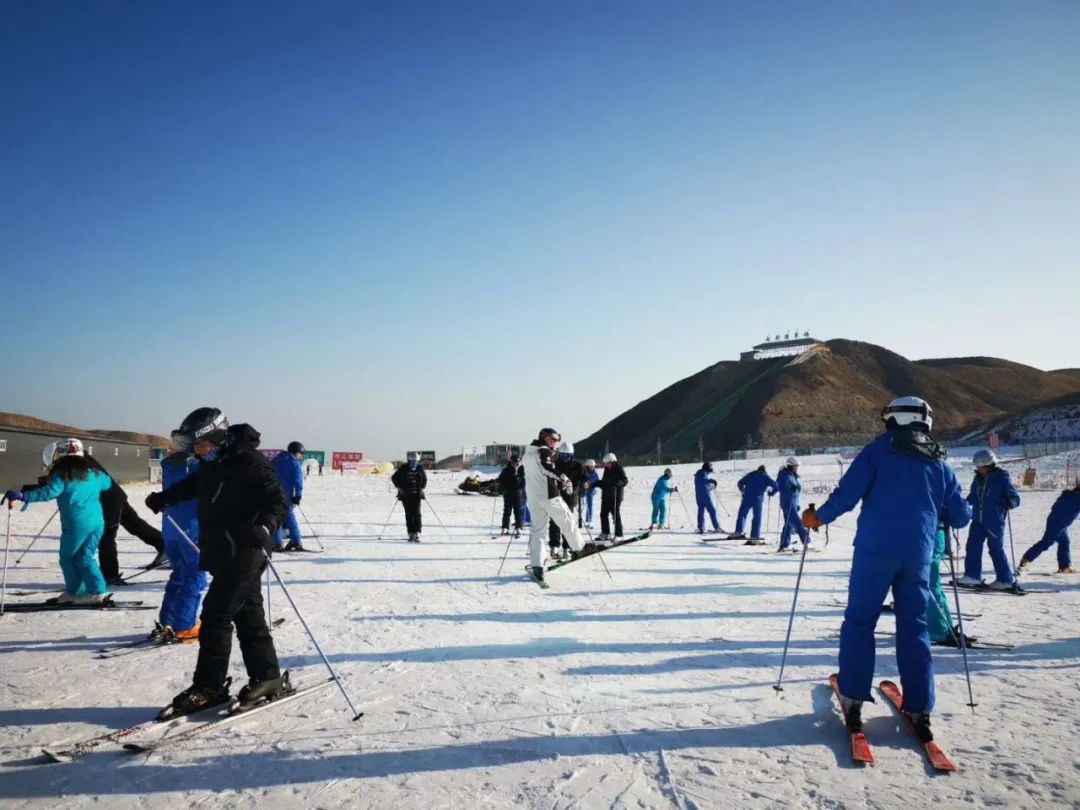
<point>393,506</point>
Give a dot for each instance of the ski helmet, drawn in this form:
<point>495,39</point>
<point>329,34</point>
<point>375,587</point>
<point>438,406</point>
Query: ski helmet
<point>566,449</point>
<point>294,447</point>
<point>549,433</point>
<point>412,455</point>
<point>202,423</point>
<point>761,468</point>
<point>590,463</point>
<point>707,466</point>
<point>667,472</point>
<point>514,458</point>
<point>59,449</point>
<point>984,458</point>
<point>609,458</point>
<point>908,411</point>
<point>791,462</point>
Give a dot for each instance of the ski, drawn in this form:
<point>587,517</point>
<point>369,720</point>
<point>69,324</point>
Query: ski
<point>224,717</point>
<point>971,645</point>
<point>1016,590</point>
<point>41,607</point>
<point>860,747</point>
<point>891,608</point>
<point>602,550</point>
<point>938,758</point>
<point>543,585</point>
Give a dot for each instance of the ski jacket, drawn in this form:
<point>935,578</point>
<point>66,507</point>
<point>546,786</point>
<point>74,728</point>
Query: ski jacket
<point>575,471</point>
<point>663,487</point>
<point>1063,512</point>
<point>174,469</point>
<point>239,503</point>
<point>542,480</point>
<point>592,479</point>
<point>790,488</point>
<point>906,488</point>
<point>703,486</point>
<point>613,482</point>
<point>78,500</point>
<point>990,499</point>
<point>411,482</point>
<point>290,474</point>
<point>754,484</point>
<point>509,482</point>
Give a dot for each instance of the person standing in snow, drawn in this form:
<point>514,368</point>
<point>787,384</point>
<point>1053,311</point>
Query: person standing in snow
<point>588,491</point>
<point>1062,514</point>
<point>411,481</point>
<point>290,474</point>
<point>573,470</point>
<point>703,488</point>
<point>511,485</point>
<point>753,487</point>
<point>906,489</point>
<point>790,488</point>
<point>991,497</point>
<point>611,488</point>
<point>76,486</point>
<point>661,498</point>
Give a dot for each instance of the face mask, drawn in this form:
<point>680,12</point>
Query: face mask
<point>412,465</point>
<point>211,456</point>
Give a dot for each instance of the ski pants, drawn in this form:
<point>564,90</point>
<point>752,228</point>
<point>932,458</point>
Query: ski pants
<point>555,510</point>
<point>413,521</point>
<point>180,607</point>
<point>660,510</point>
<point>294,530</point>
<point>78,561</point>
<point>1059,536</point>
<point>587,501</point>
<point>872,575</point>
<point>119,513</point>
<point>996,544</point>
<point>938,618</point>
<point>611,508</point>
<point>745,507</point>
<point>702,508</point>
<point>235,598</point>
<point>792,522</point>
<point>511,503</point>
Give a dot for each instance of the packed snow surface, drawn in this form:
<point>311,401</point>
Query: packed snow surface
<point>651,688</point>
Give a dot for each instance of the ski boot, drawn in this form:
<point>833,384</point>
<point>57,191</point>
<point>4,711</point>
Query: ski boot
<point>294,546</point>
<point>969,582</point>
<point>853,715</point>
<point>93,599</point>
<point>1067,570</point>
<point>159,633</point>
<point>998,585</point>
<point>159,560</point>
<point>1023,566</point>
<point>195,699</point>
<point>920,723</point>
<point>954,638</point>
<point>538,573</point>
<point>737,536</point>
<point>191,634</point>
<point>257,692</point>
<point>586,550</point>
<point>64,598</point>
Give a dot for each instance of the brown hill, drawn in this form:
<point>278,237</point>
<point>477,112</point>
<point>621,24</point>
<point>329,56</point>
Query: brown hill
<point>830,396</point>
<point>19,420</point>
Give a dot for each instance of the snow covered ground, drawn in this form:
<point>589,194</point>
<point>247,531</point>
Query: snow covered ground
<point>651,689</point>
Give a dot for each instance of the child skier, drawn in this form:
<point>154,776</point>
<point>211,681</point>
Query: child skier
<point>753,486</point>
<point>790,488</point>
<point>1062,514</point>
<point>661,499</point>
<point>991,497</point>
<point>290,475</point>
<point>588,491</point>
<point>703,487</point>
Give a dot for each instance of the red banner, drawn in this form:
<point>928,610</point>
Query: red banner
<point>351,458</point>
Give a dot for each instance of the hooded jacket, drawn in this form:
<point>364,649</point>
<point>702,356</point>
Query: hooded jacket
<point>754,484</point>
<point>542,480</point>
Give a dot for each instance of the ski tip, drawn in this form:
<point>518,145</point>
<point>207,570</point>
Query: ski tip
<point>55,756</point>
<point>137,748</point>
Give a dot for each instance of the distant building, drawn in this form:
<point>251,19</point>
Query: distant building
<point>780,346</point>
<point>497,454</point>
<point>20,454</point>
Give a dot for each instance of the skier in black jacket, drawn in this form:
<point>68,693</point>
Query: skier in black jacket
<point>611,494</point>
<point>411,481</point>
<point>240,505</point>
<point>511,484</point>
<point>575,471</point>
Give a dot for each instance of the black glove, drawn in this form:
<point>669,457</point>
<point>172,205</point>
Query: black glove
<point>261,538</point>
<point>155,502</point>
<point>296,500</point>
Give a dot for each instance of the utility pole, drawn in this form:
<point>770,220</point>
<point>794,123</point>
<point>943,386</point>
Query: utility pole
<point>658,461</point>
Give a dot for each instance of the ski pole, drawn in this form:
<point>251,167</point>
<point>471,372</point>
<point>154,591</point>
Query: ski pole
<point>436,514</point>
<point>36,536</point>
<point>383,530</point>
<point>493,535</point>
<point>689,521</point>
<point>791,619</point>
<point>312,528</point>
<point>269,612</point>
<point>601,558</point>
<point>1012,548</point>
<point>768,516</point>
<point>7,550</point>
<point>960,620</point>
<point>721,503</point>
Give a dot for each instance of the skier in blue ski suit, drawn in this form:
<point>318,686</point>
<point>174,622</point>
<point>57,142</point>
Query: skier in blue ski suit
<point>753,486</point>
<point>661,496</point>
<point>1062,514</point>
<point>703,487</point>
<point>790,487</point>
<point>290,474</point>
<point>905,487</point>
<point>588,490</point>
<point>992,495</point>
<point>184,590</point>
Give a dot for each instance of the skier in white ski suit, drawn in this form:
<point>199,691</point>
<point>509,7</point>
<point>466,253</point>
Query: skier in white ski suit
<point>542,487</point>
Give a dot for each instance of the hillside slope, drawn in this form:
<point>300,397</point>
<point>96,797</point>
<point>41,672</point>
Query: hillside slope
<point>19,420</point>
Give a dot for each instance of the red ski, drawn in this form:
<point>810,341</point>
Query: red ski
<point>938,758</point>
<point>860,748</point>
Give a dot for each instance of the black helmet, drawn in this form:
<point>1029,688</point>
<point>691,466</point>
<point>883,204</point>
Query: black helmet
<point>707,466</point>
<point>294,447</point>
<point>202,423</point>
<point>761,468</point>
<point>549,432</point>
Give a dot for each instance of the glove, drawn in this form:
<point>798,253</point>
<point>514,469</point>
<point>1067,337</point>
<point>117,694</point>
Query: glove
<point>674,489</point>
<point>400,494</point>
<point>810,519</point>
<point>155,502</point>
<point>261,539</point>
<point>296,500</point>
<point>423,495</point>
<point>13,495</point>
<point>712,483</point>
<point>771,494</point>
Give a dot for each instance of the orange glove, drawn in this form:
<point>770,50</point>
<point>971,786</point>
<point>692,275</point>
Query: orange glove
<point>810,519</point>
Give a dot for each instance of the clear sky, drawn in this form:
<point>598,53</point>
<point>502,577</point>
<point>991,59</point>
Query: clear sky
<point>381,226</point>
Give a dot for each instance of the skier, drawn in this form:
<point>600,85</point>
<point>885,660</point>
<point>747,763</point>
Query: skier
<point>544,485</point>
<point>661,496</point>
<point>703,487</point>
<point>611,496</point>
<point>510,485</point>
<point>992,495</point>
<point>1062,514</point>
<point>290,474</point>
<point>753,486</point>
<point>906,488</point>
<point>588,491</point>
<point>76,487</point>
<point>411,481</point>
<point>790,488</point>
<point>575,472</point>
<point>240,505</point>
<point>939,621</point>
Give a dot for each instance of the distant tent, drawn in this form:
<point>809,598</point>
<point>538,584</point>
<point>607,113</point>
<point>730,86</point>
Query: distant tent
<point>383,468</point>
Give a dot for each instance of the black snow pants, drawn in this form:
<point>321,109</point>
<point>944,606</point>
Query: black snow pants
<point>511,503</point>
<point>413,523</point>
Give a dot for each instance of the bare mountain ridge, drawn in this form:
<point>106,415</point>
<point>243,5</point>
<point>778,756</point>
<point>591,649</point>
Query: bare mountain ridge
<point>831,395</point>
<point>18,420</point>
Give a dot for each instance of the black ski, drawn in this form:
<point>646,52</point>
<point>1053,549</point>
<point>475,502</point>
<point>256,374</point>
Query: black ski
<point>602,550</point>
<point>1016,590</point>
<point>891,608</point>
<point>543,585</point>
<point>41,607</point>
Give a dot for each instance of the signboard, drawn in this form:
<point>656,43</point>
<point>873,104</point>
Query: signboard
<point>427,459</point>
<point>318,455</point>
<point>339,458</point>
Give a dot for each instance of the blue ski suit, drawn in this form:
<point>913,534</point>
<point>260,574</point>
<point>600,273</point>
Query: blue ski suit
<point>906,488</point>
<point>661,496</point>
<point>703,487</point>
<point>81,526</point>
<point>990,498</point>
<point>184,590</point>
<point>592,478</point>
<point>1062,514</point>
<point>753,486</point>
<point>290,473</point>
<point>790,487</point>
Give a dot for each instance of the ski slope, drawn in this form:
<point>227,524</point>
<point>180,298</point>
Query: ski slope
<point>649,689</point>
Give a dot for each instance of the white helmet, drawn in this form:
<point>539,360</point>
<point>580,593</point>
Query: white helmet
<point>609,458</point>
<point>792,461</point>
<point>567,448</point>
<point>908,411</point>
<point>590,462</point>
<point>59,449</point>
<point>984,458</point>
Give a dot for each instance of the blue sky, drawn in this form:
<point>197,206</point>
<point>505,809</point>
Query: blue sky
<point>380,226</point>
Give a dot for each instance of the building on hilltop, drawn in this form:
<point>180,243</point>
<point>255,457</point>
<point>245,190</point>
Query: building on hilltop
<point>786,346</point>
